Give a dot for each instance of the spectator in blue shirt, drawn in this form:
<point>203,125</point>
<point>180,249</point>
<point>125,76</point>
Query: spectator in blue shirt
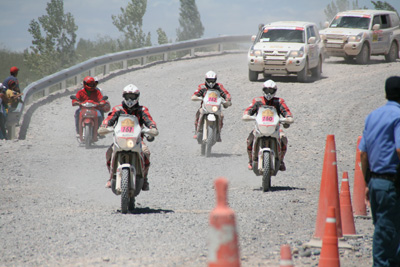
<point>3,113</point>
<point>13,76</point>
<point>380,159</point>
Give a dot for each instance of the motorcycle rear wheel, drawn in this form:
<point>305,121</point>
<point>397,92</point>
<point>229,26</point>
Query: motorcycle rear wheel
<point>210,139</point>
<point>266,178</point>
<point>88,136</point>
<point>124,190</point>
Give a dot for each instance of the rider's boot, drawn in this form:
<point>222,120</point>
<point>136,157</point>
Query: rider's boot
<point>146,186</point>
<point>282,167</point>
<point>219,137</point>
<point>250,165</point>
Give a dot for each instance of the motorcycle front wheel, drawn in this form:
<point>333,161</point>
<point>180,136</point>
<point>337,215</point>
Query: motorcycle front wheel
<point>124,190</point>
<point>88,135</point>
<point>266,178</point>
<point>210,139</point>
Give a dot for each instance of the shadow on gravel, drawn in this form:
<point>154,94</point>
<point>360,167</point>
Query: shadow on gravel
<point>289,79</point>
<point>280,188</point>
<point>223,155</point>
<point>354,63</point>
<point>148,211</point>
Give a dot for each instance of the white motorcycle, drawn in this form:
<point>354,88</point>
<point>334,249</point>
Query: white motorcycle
<point>208,127</point>
<point>267,143</point>
<point>127,161</point>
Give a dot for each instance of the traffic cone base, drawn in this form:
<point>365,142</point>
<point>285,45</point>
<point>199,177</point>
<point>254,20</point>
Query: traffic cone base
<point>286,256</point>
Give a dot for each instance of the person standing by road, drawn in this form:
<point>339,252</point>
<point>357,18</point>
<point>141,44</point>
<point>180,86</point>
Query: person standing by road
<point>13,77</point>
<point>380,160</point>
<point>3,113</point>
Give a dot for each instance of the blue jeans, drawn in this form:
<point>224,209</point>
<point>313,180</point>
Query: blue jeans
<point>385,208</point>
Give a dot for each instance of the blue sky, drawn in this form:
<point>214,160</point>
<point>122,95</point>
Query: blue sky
<point>219,17</point>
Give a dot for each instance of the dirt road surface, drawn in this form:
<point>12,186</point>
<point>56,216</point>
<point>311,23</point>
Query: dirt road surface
<point>55,211</point>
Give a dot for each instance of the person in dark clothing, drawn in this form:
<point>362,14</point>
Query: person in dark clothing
<point>380,159</point>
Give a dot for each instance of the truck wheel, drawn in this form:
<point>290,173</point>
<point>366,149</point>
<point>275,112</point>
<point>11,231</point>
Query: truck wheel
<point>393,53</point>
<point>302,76</point>
<point>316,72</point>
<point>363,56</point>
<point>253,76</point>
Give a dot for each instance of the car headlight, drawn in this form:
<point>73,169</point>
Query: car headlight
<point>297,53</point>
<point>355,38</point>
<point>256,53</point>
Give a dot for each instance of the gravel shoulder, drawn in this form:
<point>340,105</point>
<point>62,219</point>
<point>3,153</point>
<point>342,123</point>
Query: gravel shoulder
<point>55,211</point>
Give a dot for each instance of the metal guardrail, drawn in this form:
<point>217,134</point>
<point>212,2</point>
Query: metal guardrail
<point>74,73</point>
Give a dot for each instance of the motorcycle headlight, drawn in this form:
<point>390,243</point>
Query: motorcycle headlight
<point>130,143</point>
<point>214,109</point>
<point>355,38</point>
<point>297,53</point>
<point>126,143</point>
<point>256,53</point>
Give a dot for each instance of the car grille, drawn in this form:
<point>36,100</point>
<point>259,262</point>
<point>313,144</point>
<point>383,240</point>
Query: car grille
<point>274,57</point>
<point>335,41</point>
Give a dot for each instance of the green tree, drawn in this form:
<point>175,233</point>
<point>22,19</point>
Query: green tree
<point>130,22</point>
<point>383,6</point>
<point>55,48</point>
<point>339,5</point>
<point>189,21</point>
<point>162,36</point>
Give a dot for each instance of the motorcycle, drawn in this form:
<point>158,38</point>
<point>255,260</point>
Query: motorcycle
<point>127,161</point>
<point>208,128</point>
<point>88,122</point>
<point>267,144</point>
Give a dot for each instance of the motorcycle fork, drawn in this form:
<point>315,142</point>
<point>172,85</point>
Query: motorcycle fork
<point>136,171</point>
<point>206,123</point>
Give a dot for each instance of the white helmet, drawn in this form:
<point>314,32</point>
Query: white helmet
<point>269,89</point>
<point>211,79</point>
<point>131,95</point>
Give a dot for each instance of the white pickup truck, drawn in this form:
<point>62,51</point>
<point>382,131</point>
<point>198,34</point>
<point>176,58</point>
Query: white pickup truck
<point>358,34</point>
<point>286,48</point>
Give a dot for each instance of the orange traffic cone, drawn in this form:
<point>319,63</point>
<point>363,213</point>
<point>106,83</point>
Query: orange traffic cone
<point>330,250</point>
<point>329,192</point>
<point>346,211</point>
<point>359,206</point>
<point>224,249</point>
<point>286,256</point>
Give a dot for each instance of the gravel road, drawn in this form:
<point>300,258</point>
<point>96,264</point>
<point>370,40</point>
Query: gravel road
<point>55,210</point>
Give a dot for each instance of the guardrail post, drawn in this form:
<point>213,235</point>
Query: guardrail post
<point>63,85</point>
<point>220,47</point>
<point>46,91</point>
<point>165,56</point>
<point>106,69</point>
<point>125,64</point>
<point>92,72</point>
<point>192,52</point>
<point>143,61</point>
<point>11,131</point>
<point>77,79</point>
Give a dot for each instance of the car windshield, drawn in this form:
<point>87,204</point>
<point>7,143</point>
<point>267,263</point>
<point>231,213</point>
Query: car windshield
<point>295,35</point>
<point>351,22</point>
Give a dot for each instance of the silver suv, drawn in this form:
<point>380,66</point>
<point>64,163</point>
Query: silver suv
<point>358,34</point>
<point>286,48</point>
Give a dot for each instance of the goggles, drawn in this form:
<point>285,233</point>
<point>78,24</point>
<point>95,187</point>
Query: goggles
<point>269,90</point>
<point>91,84</point>
<point>131,96</point>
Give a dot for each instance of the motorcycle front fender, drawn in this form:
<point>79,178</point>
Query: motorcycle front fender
<point>261,157</point>
<point>211,117</point>
<point>87,121</point>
